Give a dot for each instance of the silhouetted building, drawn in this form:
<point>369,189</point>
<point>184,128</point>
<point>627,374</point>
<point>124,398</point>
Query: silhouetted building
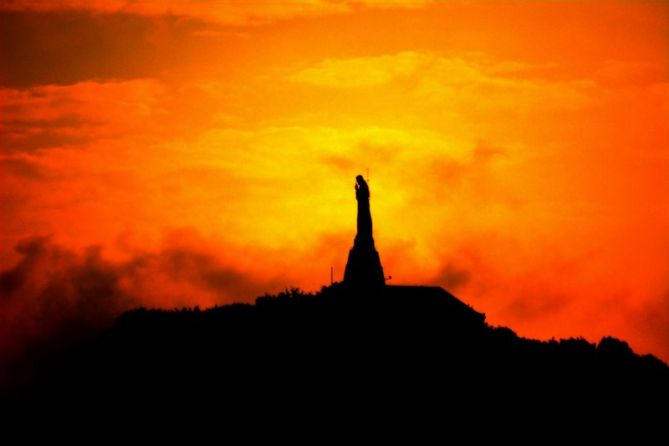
<point>363,268</point>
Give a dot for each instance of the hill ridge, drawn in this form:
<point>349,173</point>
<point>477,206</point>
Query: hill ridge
<point>414,339</point>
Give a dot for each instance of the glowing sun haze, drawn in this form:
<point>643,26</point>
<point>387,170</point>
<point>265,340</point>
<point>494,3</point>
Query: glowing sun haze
<point>185,153</point>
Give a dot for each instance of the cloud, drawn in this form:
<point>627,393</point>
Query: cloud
<point>435,78</point>
<point>59,116</point>
<point>651,322</point>
<point>66,47</point>
<point>361,71</point>
<point>21,167</point>
<point>632,72</point>
<point>475,171</point>
<point>54,295</point>
<point>229,12</point>
<point>452,277</point>
<point>537,304</point>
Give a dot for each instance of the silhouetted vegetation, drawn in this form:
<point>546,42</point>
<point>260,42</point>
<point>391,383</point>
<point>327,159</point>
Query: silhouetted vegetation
<point>390,350</point>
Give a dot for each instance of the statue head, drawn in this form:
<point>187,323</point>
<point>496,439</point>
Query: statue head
<point>361,188</point>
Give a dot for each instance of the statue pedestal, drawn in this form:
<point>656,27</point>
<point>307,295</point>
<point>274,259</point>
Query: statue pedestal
<point>363,268</point>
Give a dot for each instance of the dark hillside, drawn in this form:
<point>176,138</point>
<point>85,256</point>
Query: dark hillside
<point>394,349</point>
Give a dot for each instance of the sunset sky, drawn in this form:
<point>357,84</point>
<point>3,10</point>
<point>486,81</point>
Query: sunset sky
<point>187,153</point>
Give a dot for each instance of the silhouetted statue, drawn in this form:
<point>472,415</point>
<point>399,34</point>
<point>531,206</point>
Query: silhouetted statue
<point>363,269</point>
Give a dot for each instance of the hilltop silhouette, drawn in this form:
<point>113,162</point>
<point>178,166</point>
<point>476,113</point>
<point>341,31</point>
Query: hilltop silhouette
<point>394,347</point>
<point>356,349</point>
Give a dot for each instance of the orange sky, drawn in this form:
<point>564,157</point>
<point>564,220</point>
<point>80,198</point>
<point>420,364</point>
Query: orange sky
<point>518,151</point>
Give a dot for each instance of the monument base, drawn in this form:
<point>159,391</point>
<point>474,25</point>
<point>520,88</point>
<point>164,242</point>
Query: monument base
<point>363,268</point>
